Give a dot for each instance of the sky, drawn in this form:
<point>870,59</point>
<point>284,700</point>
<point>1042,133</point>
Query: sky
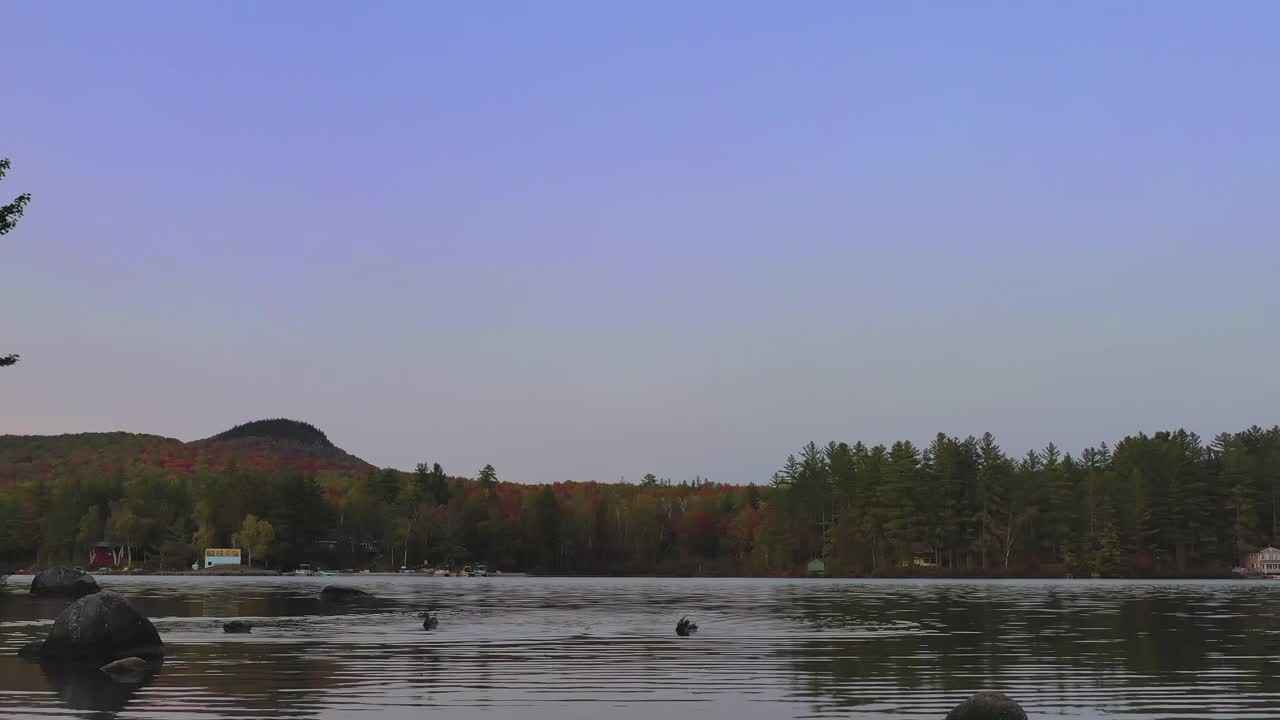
<point>587,241</point>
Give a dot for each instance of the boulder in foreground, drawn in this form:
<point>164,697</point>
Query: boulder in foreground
<point>988,706</point>
<point>63,581</point>
<point>101,627</point>
<point>339,594</point>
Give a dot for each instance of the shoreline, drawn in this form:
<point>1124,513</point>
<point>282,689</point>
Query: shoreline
<point>224,573</point>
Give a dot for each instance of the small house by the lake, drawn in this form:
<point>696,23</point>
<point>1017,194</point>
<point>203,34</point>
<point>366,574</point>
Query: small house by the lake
<point>1264,562</point>
<point>221,556</point>
<point>923,555</point>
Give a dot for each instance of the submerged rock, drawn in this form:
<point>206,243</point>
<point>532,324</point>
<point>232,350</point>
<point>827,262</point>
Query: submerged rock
<point>988,706</point>
<point>103,626</point>
<point>339,594</point>
<point>237,626</point>
<point>63,581</point>
<point>31,650</point>
<point>686,627</point>
<point>128,670</point>
<point>84,687</point>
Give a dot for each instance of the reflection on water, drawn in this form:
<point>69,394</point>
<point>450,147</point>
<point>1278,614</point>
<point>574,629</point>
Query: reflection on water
<point>86,688</point>
<point>551,648</point>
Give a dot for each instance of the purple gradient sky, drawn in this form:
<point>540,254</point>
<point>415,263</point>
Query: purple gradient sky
<point>588,240</point>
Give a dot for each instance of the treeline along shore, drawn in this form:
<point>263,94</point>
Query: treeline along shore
<point>1167,504</point>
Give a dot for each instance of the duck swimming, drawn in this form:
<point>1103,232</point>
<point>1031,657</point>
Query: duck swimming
<point>237,626</point>
<point>429,621</point>
<point>685,627</point>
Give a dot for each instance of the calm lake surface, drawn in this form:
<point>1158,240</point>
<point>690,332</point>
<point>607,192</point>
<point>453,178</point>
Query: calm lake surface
<point>547,648</point>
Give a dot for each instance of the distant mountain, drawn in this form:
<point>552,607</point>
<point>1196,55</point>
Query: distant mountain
<point>261,445</point>
<point>279,429</point>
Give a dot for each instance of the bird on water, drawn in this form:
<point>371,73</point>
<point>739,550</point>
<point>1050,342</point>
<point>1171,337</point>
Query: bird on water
<point>686,627</point>
<point>429,621</point>
<point>237,626</point>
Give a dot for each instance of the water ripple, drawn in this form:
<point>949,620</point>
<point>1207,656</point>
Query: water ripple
<point>552,648</point>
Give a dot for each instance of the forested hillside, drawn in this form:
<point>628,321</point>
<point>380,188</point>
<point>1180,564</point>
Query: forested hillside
<point>1161,504</point>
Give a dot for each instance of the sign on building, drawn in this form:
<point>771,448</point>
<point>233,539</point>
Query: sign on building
<point>221,556</point>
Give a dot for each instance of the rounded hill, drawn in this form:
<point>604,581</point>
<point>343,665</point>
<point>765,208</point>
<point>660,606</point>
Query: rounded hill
<point>279,429</point>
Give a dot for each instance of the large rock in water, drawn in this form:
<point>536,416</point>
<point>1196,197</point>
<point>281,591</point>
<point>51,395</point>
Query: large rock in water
<point>339,594</point>
<point>988,706</point>
<point>63,581</point>
<point>101,627</point>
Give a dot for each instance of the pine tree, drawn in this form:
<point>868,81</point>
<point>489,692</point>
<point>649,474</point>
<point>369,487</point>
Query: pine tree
<point>488,478</point>
<point>1060,517</point>
<point>903,521</point>
<point>993,497</point>
<point>548,517</point>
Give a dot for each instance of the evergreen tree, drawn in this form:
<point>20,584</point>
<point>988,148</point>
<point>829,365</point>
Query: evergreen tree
<point>433,483</point>
<point>176,551</point>
<point>993,512</point>
<point>1063,505</point>
<point>901,487</point>
<point>488,478</point>
<point>548,516</point>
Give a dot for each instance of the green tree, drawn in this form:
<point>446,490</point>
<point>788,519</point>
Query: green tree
<point>548,517</point>
<point>1015,508</point>
<point>9,215</point>
<point>432,482</point>
<point>256,536</point>
<point>488,478</point>
<point>385,484</point>
<point>1242,472</point>
<point>1106,547</point>
<point>1063,506</point>
<point>124,529</point>
<point>946,502</point>
<point>176,551</point>
<point>295,505</point>
<point>900,499</point>
<point>92,529</point>
<point>411,507</point>
<point>994,473</point>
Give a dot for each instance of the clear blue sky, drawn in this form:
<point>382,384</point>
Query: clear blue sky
<point>588,240</point>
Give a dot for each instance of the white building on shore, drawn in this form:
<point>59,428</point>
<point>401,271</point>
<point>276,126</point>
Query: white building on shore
<point>1264,562</point>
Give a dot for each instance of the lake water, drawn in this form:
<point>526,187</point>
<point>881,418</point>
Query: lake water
<point>548,648</point>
